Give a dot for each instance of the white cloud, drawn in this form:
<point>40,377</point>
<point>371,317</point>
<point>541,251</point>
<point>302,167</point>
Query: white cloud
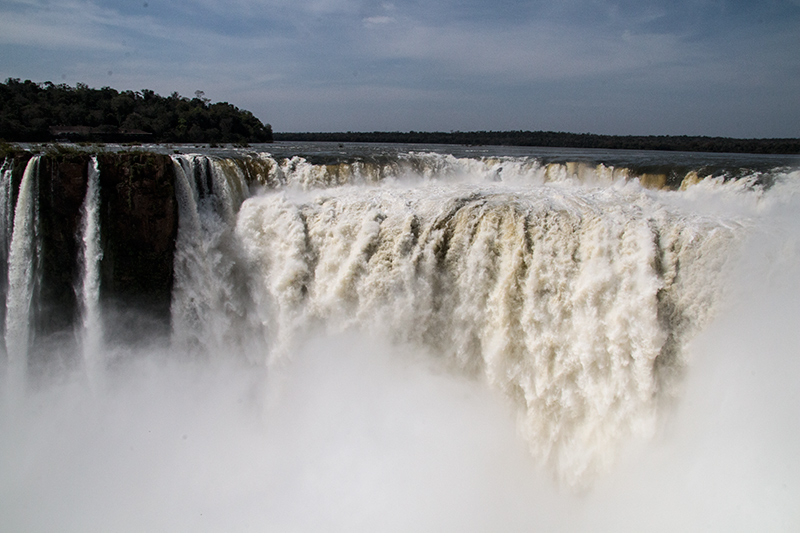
<point>378,20</point>
<point>76,25</point>
<point>51,32</point>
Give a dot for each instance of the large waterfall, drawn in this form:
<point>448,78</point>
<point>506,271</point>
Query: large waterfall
<point>325,308</point>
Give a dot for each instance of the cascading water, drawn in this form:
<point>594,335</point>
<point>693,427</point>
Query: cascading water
<point>207,297</point>
<point>573,290</point>
<point>6,209</point>
<point>6,226</point>
<point>21,271</point>
<point>91,333</point>
<point>575,303</point>
<point>575,298</point>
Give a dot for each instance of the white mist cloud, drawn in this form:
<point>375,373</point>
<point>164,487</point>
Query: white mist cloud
<point>353,435</point>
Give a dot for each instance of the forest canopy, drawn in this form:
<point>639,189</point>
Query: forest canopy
<point>39,112</point>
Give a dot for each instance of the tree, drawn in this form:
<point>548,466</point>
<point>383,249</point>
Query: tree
<point>29,110</point>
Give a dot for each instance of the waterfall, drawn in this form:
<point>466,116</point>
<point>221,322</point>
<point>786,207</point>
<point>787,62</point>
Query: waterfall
<point>21,271</point>
<point>91,328</point>
<point>6,225</point>
<point>575,303</point>
<point>6,209</point>
<point>570,288</point>
<point>210,291</point>
<point>398,339</point>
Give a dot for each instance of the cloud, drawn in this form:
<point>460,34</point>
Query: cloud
<point>51,34</point>
<point>347,52</point>
<point>276,9</point>
<point>70,25</point>
<point>533,51</point>
<point>378,20</point>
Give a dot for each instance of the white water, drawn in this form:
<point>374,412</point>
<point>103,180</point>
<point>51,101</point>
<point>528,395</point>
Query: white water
<point>416,167</point>
<point>206,308</point>
<point>19,296</point>
<point>562,298</point>
<point>91,333</point>
<point>398,365</point>
<point>6,209</point>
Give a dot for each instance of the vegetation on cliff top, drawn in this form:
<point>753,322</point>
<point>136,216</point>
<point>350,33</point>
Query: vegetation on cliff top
<point>38,112</point>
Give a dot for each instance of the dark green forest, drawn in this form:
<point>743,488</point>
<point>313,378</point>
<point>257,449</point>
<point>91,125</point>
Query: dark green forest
<point>681,143</point>
<point>41,112</point>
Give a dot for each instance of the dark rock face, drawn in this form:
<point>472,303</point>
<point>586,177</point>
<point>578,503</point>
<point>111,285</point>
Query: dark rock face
<point>61,190</point>
<point>139,225</point>
<point>138,228</point>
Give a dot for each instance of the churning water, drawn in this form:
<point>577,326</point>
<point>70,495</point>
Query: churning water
<point>388,340</point>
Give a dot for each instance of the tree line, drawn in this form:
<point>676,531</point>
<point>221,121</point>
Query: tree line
<point>41,112</point>
<point>681,143</point>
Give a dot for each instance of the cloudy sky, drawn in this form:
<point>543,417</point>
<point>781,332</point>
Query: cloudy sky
<point>695,67</point>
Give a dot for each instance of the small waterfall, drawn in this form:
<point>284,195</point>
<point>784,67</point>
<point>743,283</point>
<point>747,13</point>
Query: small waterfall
<point>91,331</point>
<point>6,225</point>
<point>21,261</point>
<point>209,295</point>
<point>6,208</point>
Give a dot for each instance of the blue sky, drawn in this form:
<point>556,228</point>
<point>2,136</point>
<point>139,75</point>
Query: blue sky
<point>694,67</point>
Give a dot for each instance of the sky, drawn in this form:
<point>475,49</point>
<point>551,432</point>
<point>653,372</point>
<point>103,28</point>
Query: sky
<point>628,67</point>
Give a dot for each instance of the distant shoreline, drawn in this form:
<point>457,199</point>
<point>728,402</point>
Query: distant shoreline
<point>549,139</point>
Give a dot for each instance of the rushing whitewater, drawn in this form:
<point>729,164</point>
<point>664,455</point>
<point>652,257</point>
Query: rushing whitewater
<point>574,290</point>
<point>573,299</point>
